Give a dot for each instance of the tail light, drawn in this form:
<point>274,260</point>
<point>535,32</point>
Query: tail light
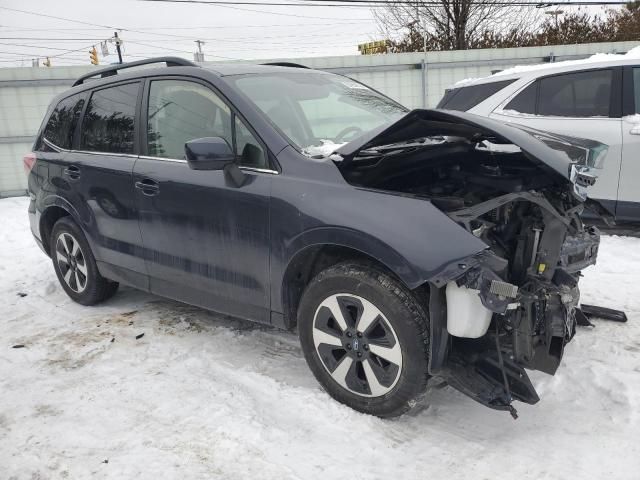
<point>29,161</point>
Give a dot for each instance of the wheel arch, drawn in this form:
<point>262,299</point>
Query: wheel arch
<point>313,257</point>
<point>54,208</point>
<point>49,217</point>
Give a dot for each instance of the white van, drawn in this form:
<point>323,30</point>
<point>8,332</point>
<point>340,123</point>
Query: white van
<point>597,98</point>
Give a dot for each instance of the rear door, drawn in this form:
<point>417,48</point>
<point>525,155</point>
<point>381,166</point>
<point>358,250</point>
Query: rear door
<point>629,193</point>
<point>52,173</point>
<point>206,239</point>
<point>583,104</point>
<point>100,170</point>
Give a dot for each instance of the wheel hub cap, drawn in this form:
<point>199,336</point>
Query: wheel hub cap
<point>357,345</point>
<point>71,262</point>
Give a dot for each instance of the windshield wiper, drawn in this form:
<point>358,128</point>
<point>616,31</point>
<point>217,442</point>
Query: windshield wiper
<point>395,148</point>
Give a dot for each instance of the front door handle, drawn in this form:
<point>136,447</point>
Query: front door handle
<point>72,172</point>
<point>149,187</point>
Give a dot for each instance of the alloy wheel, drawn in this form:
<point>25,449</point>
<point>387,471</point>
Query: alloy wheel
<point>71,262</point>
<point>357,345</point>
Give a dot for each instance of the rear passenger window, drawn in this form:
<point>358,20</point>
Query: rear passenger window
<point>108,122</point>
<point>582,94</point>
<point>525,101</point>
<point>62,122</point>
<point>465,98</point>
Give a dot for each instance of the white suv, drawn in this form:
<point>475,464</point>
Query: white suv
<point>597,98</point>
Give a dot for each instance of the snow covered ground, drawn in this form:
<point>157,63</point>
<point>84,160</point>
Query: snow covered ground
<point>200,396</point>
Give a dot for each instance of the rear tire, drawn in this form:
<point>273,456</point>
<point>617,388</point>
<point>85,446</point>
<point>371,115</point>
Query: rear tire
<point>366,339</point>
<point>75,265</point>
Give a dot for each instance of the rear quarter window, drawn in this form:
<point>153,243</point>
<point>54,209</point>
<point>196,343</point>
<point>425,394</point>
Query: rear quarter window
<point>465,98</point>
<point>63,120</point>
<point>525,101</point>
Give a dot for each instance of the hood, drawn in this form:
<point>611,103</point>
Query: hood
<point>573,158</point>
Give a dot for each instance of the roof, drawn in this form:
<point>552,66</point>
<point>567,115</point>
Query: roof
<point>122,70</point>
<point>599,60</point>
<point>228,69</point>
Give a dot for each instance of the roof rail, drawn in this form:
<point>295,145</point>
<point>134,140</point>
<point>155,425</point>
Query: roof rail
<point>113,69</point>
<point>285,64</point>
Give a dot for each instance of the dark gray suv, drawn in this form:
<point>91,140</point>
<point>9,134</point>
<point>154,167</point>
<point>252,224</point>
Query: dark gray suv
<point>402,244</point>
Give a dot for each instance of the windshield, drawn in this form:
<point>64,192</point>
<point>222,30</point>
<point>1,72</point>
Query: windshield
<point>317,111</point>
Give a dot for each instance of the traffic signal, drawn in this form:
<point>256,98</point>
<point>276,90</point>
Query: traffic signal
<point>93,55</point>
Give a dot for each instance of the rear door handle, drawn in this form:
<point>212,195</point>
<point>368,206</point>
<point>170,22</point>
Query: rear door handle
<point>72,172</point>
<point>149,187</point>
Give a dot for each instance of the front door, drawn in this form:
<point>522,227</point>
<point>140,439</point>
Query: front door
<point>628,207</point>
<point>206,238</point>
<point>579,104</point>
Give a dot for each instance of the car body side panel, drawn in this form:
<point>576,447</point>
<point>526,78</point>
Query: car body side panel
<point>628,207</point>
<point>604,130</point>
<point>206,240</point>
<point>410,236</point>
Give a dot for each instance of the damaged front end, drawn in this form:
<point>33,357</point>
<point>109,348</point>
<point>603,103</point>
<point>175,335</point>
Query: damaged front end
<point>513,305</point>
<point>527,287</point>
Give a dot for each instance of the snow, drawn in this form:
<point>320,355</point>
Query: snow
<point>634,120</point>
<point>326,148</point>
<point>465,81</point>
<point>633,54</point>
<point>202,396</point>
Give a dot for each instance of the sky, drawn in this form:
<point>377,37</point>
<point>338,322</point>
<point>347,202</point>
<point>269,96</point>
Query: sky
<point>65,30</point>
<point>156,28</point>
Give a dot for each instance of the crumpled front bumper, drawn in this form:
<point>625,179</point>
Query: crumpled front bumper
<point>532,323</point>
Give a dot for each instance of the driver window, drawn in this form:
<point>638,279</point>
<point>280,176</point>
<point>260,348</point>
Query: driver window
<point>180,111</point>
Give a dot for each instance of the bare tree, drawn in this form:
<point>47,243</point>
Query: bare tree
<point>451,24</point>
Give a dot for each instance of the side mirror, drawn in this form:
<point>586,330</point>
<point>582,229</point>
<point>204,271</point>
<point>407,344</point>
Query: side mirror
<point>209,153</point>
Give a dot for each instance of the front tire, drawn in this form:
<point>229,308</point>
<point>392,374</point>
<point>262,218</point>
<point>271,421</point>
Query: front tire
<point>365,338</point>
<point>75,265</point>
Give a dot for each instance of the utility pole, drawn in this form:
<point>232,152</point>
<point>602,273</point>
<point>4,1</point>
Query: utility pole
<point>199,55</point>
<point>555,13</point>
<point>423,64</point>
<point>118,42</point>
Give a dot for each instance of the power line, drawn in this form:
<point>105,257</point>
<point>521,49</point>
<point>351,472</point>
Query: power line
<point>166,34</point>
<point>36,46</point>
<point>47,39</point>
<point>379,3</point>
<point>199,27</point>
<point>57,18</point>
<point>282,14</point>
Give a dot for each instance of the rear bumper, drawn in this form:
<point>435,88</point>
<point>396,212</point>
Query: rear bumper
<point>34,223</point>
<point>39,242</point>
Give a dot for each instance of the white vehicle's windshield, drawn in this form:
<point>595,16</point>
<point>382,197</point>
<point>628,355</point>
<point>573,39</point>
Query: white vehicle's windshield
<point>317,111</point>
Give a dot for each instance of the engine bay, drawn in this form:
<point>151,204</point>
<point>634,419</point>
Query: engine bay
<point>527,279</point>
